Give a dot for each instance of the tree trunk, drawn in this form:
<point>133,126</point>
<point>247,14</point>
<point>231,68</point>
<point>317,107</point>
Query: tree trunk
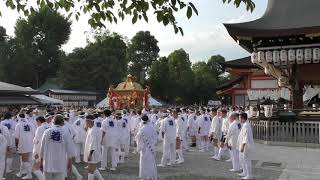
<point>296,88</point>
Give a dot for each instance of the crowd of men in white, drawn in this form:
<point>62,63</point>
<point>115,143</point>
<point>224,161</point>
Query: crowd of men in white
<point>49,145</point>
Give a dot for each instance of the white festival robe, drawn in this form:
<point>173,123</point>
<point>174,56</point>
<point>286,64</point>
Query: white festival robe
<point>146,140</point>
<point>93,143</point>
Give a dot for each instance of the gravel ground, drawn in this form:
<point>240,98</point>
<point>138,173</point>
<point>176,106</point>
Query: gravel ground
<point>197,166</point>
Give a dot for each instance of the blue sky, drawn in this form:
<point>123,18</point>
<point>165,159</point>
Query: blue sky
<point>204,34</point>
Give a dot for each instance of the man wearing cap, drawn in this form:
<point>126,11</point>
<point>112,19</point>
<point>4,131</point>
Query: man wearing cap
<point>215,130</point>
<point>109,141</point>
<point>56,151</point>
<point>24,134</point>
<point>231,141</point>
<point>80,135</point>
<point>92,151</point>
<point>191,127</point>
<point>146,139</point>
<point>246,146</point>
<point>168,133</point>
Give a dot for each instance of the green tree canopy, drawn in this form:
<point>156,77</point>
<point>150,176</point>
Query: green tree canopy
<point>97,66</point>
<point>3,34</point>
<point>39,37</point>
<point>180,76</point>
<point>215,68</point>
<point>142,51</point>
<point>113,10</point>
<point>204,82</point>
<point>159,79</point>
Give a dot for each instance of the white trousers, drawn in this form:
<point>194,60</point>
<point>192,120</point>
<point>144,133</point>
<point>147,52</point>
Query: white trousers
<point>78,147</point>
<point>245,160</point>
<point>54,176</point>
<point>114,157</point>
<point>2,164</point>
<point>169,152</point>
<point>235,159</point>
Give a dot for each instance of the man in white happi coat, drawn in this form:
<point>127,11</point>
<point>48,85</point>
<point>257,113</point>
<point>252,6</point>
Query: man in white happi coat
<point>110,138</point>
<point>24,134</point>
<point>215,131</point>
<point>98,119</point>
<point>124,131</point>
<point>31,117</point>
<point>10,123</point>
<point>246,146</point>
<point>203,126</point>
<point>232,141</point>
<point>56,151</point>
<point>137,124</point>
<point>180,135</point>
<point>3,151</point>
<point>67,126</point>
<point>92,149</point>
<point>80,135</point>
<point>42,126</point>
<point>7,142</point>
<point>146,141</point>
<point>184,116</point>
<point>168,133</point>
<point>224,130</point>
<point>192,127</point>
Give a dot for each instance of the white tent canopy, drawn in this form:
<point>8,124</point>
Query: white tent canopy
<point>46,100</point>
<point>104,102</point>
<point>154,102</point>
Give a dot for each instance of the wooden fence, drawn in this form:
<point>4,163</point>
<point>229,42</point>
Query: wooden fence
<point>300,131</point>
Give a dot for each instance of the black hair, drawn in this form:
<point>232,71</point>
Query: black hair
<point>96,115</point>
<point>7,115</point>
<point>28,111</point>
<point>22,116</point>
<point>91,117</point>
<point>107,112</point>
<point>41,119</point>
<point>244,115</point>
<point>58,120</point>
<point>139,112</point>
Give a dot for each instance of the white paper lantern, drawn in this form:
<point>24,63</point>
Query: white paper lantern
<point>316,55</point>
<point>254,58</point>
<point>276,58</point>
<point>284,57</point>
<point>261,57</point>
<point>268,111</point>
<point>299,56</point>
<point>307,55</point>
<point>292,56</point>
<point>269,56</point>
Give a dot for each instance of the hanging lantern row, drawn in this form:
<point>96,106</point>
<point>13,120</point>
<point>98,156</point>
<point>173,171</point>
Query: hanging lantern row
<point>287,57</point>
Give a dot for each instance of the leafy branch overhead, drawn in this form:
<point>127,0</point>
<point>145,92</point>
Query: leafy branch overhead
<point>102,11</point>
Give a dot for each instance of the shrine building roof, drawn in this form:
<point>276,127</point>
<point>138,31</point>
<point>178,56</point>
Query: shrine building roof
<point>282,18</point>
<point>239,63</point>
